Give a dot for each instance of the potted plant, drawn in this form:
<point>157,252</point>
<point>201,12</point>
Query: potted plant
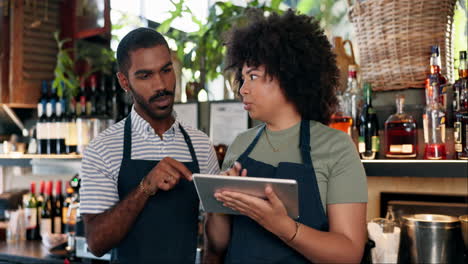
<point>206,48</point>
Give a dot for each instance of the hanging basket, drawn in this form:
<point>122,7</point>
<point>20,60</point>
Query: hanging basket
<point>394,39</point>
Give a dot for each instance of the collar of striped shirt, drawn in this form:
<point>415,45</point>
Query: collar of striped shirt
<point>142,126</point>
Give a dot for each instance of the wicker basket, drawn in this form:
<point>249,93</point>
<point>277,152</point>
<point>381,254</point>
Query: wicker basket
<point>394,39</point>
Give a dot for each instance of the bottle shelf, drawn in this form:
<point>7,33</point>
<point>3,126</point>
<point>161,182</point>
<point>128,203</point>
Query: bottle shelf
<point>27,160</point>
<point>379,167</point>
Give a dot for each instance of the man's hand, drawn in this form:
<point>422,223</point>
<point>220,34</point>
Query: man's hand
<point>166,175</point>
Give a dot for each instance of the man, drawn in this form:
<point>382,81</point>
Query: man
<point>137,194</point>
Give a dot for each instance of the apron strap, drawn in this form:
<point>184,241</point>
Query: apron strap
<point>190,146</point>
<point>249,149</point>
<point>127,152</point>
<point>304,142</point>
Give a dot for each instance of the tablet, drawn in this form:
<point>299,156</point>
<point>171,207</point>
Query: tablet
<point>206,186</point>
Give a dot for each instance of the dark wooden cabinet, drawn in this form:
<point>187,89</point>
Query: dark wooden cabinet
<point>86,18</point>
<point>28,50</point>
<point>4,50</point>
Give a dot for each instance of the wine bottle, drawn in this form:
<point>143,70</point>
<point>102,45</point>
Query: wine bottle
<point>60,126</point>
<point>71,140</point>
<point>369,141</point>
<point>31,214</point>
<point>51,129</point>
<point>47,226</point>
<point>58,208</point>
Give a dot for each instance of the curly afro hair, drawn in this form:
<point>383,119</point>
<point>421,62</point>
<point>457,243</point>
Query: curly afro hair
<point>293,49</point>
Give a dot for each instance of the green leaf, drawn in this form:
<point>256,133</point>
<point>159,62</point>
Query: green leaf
<point>275,3</point>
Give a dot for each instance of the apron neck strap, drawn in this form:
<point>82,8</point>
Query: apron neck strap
<point>249,149</point>
<point>128,138</point>
<point>304,142</point>
<point>190,146</point>
<point>128,141</point>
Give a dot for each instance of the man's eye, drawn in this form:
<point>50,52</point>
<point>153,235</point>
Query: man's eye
<point>253,77</point>
<point>167,70</point>
<point>144,76</point>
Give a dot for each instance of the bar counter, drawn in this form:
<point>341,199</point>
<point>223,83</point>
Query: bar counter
<point>27,252</point>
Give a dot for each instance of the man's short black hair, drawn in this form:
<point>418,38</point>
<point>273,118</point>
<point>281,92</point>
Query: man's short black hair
<point>293,49</point>
<point>137,39</point>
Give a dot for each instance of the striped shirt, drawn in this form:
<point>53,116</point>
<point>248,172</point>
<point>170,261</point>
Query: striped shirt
<point>102,158</point>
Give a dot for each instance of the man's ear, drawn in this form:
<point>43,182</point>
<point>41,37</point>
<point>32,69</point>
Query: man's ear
<point>123,81</point>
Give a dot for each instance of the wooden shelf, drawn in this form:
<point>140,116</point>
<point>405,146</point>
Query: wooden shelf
<point>379,168</point>
<point>25,160</point>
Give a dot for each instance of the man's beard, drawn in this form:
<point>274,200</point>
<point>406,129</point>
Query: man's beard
<point>145,105</point>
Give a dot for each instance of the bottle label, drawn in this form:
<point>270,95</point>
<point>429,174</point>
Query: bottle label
<point>88,108</point>
<point>51,130</point>
<point>30,215</point>
<point>82,126</point>
<point>64,215</point>
<point>57,225</point>
<point>375,143</point>
<point>72,131</point>
<point>457,132</point>
<point>41,131</point>
<point>426,128</point>
<point>361,145</point>
<point>404,148</point>
<point>61,130</point>
<point>442,132</point>
<point>46,226</point>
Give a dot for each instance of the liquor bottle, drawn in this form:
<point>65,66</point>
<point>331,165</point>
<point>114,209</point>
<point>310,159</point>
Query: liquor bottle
<point>58,208</point>
<point>434,121</point>
<point>400,133</point>
<point>436,69</point>
<point>341,119</point>
<point>369,142</point>
<point>352,95</point>
<point>462,75</point>
<point>31,214</point>
<point>60,127</point>
<point>51,128</point>
<point>46,212</point>
<point>461,115</point>
<point>41,129</point>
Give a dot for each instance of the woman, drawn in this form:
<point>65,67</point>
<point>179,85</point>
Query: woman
<point>287,75</point>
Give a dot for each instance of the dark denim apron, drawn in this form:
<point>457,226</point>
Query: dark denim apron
<point>166,229</point>
<point>250,242</point>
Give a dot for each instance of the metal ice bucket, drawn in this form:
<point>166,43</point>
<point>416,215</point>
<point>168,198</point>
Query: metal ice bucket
<point>430,238</point>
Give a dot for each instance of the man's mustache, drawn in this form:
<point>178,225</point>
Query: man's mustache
<point>160,94</point>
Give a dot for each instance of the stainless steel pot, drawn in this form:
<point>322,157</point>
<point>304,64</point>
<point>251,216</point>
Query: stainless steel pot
<point>464,228</point>
<point>430,238</point>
